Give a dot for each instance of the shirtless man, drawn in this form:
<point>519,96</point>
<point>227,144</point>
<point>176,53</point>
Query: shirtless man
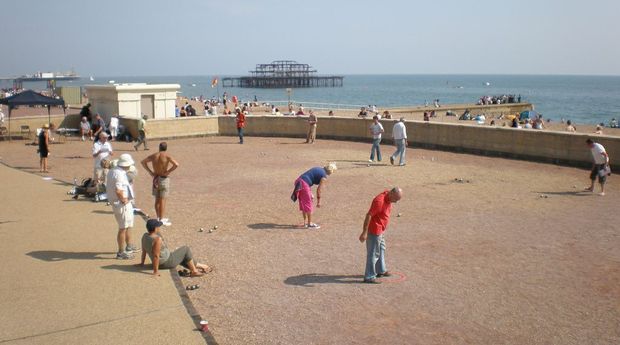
<point>163,165</point>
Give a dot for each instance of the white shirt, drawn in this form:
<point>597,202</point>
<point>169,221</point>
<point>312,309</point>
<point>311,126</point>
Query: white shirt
<point>114,122</point>
<point>598,152</point>
<point>117,180</point>
<point>399,131</point>
<point>376,130</point>
<point>106,149</point>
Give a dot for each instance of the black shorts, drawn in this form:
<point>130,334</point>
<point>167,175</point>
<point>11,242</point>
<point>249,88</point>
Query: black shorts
<point>43,153</point>
<point>595,172</point>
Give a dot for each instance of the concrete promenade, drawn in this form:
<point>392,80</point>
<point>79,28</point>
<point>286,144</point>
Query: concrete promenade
<point>61,283</point>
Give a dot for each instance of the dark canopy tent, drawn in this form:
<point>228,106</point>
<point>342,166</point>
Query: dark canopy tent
<point>30,97</point>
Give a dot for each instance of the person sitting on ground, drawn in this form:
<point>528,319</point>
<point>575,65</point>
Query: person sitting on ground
<point>387,115</point>
<point>599,129</point>
<point>538,123</point>
<point>363,112</point>
<point>426,117</point>
<point>85,129</point>
<point>450,113</point>
<point>528,124</point>
<point>300,112</point>
<point>466,116</point>
<point>492,123</point>
<point>570,127</point>
<point>480,119</point>
<point>613,123</point>
<point>154,245</point>
<point>182,112</point>
<point>515,123</point>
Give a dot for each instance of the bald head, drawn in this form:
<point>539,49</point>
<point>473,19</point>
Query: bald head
<point>395,194</point>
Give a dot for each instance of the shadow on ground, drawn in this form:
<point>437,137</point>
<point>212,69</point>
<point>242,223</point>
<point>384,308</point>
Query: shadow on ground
<point>55,255</point>
<point>266,226</point>
<point>130,268</point>
<point>570,193</point>
<point>310,279</point>
<point>102,212</point>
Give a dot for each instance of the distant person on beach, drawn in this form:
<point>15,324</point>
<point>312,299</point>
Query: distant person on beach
<point>538,123</point>
<point>613,123</point>
<point>102,149</point>
<point>113,127</point>
<point>515,123</point>
<point>154,245</point>
<point>98,127</point>
<point>303,191</point>
<point>600,165</point>
<point>598,130</point>
<point>85,129</point>
<point>426,116</point>
<point>528,124</point>
<point>399,134</point>
<point>163,164</point>
<point>85,112</point>
<point>312,122</point>
<point>300,111</point>
<point>141,134</point>
<point>240,119</point>
<point>363,112</point>
<point>331,113</point>
<point>44,147</point>
<point>570,127</point>
<point>376,130</point>
<point>120,195</point>
<point>387,115</point>
<point>375,224</point>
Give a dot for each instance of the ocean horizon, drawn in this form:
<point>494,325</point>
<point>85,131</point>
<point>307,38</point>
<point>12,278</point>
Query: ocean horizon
<point>584,99</point>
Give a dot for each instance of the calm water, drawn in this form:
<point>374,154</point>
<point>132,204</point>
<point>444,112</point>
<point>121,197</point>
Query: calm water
<point>583,99</point>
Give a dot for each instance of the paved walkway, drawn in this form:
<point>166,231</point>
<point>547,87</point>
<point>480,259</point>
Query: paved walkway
<point>61,283</point>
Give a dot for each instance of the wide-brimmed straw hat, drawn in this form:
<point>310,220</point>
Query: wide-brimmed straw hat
<point>125,160</point>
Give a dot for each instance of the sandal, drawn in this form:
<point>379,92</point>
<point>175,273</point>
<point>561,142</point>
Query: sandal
<point>206,270</point>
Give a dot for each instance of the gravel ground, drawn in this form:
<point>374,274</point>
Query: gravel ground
<point>513,254</point>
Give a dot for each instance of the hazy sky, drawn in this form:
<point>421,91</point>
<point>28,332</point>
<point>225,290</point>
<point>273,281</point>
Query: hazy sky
<point>203,37</point>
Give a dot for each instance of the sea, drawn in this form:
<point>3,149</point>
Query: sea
<point>582,99</point>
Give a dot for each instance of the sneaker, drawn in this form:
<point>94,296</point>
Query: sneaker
<point>165,222</point>
<point>384,274</point>
<point>370,161</point>
<point>83,138</point>
<point>371,281</point>
<point>392,160</point>
<point>313,226</point>
<point>402,164</point>
<point>123,256</point>
<point>131,249</point>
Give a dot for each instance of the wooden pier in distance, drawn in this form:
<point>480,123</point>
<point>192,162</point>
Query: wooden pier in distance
<point>283,74</point>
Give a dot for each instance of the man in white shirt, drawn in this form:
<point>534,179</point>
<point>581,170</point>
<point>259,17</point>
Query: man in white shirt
<point>399,133</point>
<point>120,195</point>
<point>101,150</point>
<point>600,165</point>
<point>376,129</point>
<point>113,127</point>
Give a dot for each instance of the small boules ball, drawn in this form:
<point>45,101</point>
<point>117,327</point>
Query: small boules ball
<point>398,215</point>
<point>210,230</point>
<point>201,230</point>
<point>215,227</point>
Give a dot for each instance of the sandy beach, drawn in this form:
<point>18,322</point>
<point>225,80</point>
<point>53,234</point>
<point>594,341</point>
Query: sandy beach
<point>515,254</point>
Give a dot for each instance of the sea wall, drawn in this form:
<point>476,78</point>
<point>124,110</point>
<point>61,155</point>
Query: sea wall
<point>488,110</point>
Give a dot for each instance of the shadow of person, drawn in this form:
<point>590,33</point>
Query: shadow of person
<point>102,212</point>
<point>308,280</point>
<point>146,269</point>
<point>570,193</point>
<point>266,226</point>
<point>56,255</point>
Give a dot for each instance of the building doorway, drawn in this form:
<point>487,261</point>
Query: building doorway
<point>147,106</point>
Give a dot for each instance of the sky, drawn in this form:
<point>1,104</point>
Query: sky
<point>204,37</point>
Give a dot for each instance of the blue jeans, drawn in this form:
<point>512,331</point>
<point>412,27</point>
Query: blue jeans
<point>400,150</point>
<point>375,256</point>
<point>240,132</point>
<point>375,148</point>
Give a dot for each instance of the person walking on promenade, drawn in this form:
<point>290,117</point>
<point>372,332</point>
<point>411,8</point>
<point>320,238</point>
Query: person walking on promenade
<point>312,121</point>
<point>375,223</point>
<point>303,191</point>
<point>120,195</point>
<point>44,148</point>
<point>376,129</point>
<point>399,133</point>
<point>102,149</point>
<point>163,165</point>
<point>600,165</point>
<point>141,134</point>
<point>240,124</point>
<point>154,245</point>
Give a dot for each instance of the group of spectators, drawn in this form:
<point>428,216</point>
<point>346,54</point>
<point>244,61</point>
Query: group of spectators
<point>502,99</point>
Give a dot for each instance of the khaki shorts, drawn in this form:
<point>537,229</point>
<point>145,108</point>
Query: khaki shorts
<point>99,174</point>
<point>164,188</point>
<point>123,215</point>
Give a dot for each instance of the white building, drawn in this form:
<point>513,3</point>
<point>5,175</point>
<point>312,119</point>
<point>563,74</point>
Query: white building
<point>131,101</point>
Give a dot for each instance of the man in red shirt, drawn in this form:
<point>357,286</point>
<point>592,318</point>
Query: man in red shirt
<point>240,124</point>
<point>375,223</point>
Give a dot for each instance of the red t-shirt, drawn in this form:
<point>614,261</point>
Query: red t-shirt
<point>379,213</point>
<point>240,120</point>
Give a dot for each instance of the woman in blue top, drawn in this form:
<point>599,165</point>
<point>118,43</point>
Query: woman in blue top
<point>303,191</point>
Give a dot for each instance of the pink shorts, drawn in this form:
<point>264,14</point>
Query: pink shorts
<point>304,196</point>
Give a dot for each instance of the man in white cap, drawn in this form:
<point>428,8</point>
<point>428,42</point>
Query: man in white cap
<point>120,195</point>
<point>101,150</point>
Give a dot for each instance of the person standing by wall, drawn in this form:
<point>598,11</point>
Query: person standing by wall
<point>376,129</point>
<point>240,124</point>
<point>312,121</point>
<point>399,133</point>
<point>600,166</point>
<point>141,134</point>
<point>375,223</point>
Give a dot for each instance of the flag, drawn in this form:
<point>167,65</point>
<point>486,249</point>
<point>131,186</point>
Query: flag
<point>214,82</point>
